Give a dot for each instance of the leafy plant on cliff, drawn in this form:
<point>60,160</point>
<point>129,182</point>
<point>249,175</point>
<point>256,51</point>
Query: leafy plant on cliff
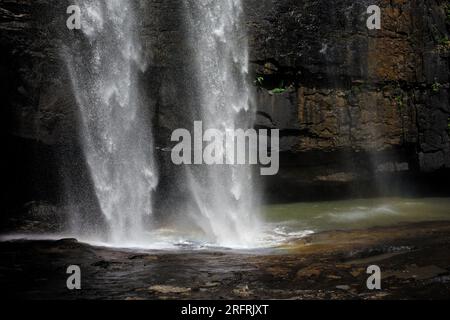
<point>259,82</point>
<point>399,100</point>
<point>271,86</point>
<point>436,87</point>
<point>444,41</point>
<point>278,90</point>
<point>399,95</point>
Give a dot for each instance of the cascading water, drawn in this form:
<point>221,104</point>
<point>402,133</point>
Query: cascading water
<point>104,62</point>
<point>224,195</point>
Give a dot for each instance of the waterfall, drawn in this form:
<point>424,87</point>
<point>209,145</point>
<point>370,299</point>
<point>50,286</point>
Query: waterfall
<point>224,195</point>
<point>105,61</point>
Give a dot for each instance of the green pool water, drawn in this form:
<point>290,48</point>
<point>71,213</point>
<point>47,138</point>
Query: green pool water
<point>286,223</point>
<point>357,214</point>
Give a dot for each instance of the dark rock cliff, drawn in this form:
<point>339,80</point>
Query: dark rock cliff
<point>352,87</point>
<point>353,105</point>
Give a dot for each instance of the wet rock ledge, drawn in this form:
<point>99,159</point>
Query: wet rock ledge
<point>413,258</point>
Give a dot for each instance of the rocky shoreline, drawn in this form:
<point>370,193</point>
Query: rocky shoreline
<point>413,258</point>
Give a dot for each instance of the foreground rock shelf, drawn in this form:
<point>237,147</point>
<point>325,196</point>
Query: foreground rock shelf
<point>413,258</point>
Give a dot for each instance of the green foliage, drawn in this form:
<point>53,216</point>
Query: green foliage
<point>444,41</point>
<point>436,87</point>
<point>262,82</point>
<point>399,95</point>
<point>278,90</point>
<point>399,100</point>
<point>259,82</point>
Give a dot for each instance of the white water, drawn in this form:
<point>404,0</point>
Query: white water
<point>105,63</point>
<point>105,66</point>
<point>224,195</point>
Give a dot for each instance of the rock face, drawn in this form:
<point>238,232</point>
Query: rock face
<point>351,103</point>
<point>30,116</point>
<point>368,90</point>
